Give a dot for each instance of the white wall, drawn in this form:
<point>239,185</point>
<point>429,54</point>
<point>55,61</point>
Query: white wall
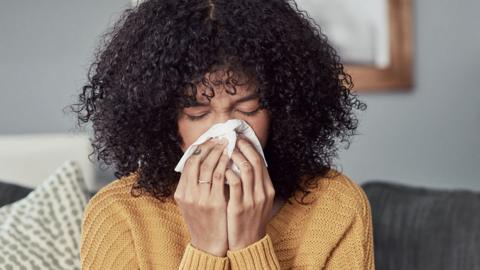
<point>431,136</point>
<point>45,50</point>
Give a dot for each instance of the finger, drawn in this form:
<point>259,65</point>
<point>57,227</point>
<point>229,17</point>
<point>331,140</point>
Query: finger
<point>218,184</point>
<point>207,167</point>
<point>256,160</point>
<point>235,186</point>
<point>246,174</point>
<point>269,189</point>
<point>192,165</point>
<point>180,189</point>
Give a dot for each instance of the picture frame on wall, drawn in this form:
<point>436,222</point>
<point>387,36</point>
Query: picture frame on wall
<point>372,37</point>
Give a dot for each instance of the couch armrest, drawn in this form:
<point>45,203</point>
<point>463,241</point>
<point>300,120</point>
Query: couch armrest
<point>10,193</point>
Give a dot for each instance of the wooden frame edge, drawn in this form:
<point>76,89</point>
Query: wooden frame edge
<point>399,74</point>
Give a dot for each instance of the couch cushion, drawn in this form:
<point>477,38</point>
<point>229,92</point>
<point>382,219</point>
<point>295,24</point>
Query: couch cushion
<point>421,228</point>
<point>10,192</point>
<point>42,230</point>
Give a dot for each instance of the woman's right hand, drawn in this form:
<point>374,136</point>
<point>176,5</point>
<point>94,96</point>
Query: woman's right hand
<point>203,205</point>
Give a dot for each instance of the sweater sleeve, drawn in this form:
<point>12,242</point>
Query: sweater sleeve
<point>355,249</point>
<point>194,258</point>
<point>106,240</point>
<point>259,255</point>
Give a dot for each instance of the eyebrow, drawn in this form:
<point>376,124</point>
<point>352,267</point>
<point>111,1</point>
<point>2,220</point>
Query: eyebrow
<point>242,99</point>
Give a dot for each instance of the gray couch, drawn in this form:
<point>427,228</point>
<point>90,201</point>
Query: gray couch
<point>414,227</point>
<point>424,228</point>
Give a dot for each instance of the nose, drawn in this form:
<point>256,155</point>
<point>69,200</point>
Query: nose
<point>223,117</point>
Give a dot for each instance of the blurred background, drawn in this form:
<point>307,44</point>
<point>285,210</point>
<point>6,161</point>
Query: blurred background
<point>426,136</point>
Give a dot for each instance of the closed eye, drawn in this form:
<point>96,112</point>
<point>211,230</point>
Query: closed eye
<point>194,118</point>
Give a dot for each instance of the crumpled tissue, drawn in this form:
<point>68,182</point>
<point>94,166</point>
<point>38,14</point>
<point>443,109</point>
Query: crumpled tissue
<point>229,130</point>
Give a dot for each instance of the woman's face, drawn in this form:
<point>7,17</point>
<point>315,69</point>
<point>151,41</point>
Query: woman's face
<point>223,106</point>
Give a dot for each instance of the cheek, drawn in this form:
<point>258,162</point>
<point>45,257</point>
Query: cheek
<point>260,126</point>
<point>189,132</point>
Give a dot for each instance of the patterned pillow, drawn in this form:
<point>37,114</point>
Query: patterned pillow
<point>42,230</point>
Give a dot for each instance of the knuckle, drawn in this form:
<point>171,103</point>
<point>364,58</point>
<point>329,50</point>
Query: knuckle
<point>248,205</point>
<point>270,193</point>
<point>178,197</point>
<point>212,144</point>
<point>235,182</point>
<point>209,205</point>
<point>206,143</point>
<point>190,161</point>
<point>243,141</point>
<point>203,205</point>
<point>257,161</point>
<point>205,166</point>
<point>240,142</point>
<point>246,167</point>
<point>218,176</point>
<point>225,158</point>
<point>261,199</point>
<point>238,211</point>
<point>189,201</point>
<point>218,149</point>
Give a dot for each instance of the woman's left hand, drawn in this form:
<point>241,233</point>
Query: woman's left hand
<point>251,197</point>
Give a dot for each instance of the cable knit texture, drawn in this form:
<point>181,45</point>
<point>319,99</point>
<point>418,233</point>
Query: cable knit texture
<point>334,231</point>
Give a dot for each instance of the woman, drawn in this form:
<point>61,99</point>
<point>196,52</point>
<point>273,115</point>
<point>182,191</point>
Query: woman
<point>168,71</point>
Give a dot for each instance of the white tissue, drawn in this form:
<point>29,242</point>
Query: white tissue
<point>228,130</point>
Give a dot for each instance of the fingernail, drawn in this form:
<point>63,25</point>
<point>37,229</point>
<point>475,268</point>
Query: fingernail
<point>225,151</point>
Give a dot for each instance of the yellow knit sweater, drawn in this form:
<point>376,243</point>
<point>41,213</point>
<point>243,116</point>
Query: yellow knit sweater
<point>333,232</point>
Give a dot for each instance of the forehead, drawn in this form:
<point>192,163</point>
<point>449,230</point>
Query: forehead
<point>220,85</point>
<point>221,92</point>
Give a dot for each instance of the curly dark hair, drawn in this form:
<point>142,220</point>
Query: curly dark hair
<point>151,60</point>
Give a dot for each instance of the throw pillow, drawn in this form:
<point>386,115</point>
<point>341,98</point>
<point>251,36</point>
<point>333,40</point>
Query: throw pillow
<point>42,230</point>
